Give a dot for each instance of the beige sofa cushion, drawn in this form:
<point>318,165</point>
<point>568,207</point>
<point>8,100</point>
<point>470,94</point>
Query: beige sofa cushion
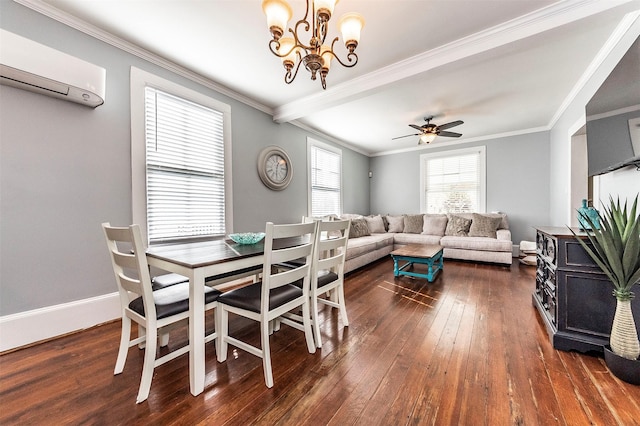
<point>457,226</point>
<point>416,239</point>
<point>476,243</point>
<point>360,246</point>
<point>504,223</point>
<point>376,225</point>
<point>413,223</point>
<point>359,228</point>
<point>396,223</point>
<point>484,226</point>
<point>434,224</point>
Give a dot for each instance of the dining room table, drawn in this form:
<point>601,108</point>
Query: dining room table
<point>197,261</point>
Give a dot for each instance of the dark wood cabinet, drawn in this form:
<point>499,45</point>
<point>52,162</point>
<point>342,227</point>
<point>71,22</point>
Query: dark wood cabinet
<point>573,296</point>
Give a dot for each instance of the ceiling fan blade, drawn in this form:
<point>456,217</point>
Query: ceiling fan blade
<point>415,126</point>
<point>450,125</point>
<point>405,136</point>
<point>450,134</point>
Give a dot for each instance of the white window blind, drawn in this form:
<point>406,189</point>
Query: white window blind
<point>326,181</point>
<point>453,182</point>
<point>185,168</point>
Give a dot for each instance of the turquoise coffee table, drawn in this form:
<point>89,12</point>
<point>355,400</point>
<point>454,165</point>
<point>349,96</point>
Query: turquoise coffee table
<point>430,255</point>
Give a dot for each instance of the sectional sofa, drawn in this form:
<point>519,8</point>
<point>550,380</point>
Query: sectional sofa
<point>465,236</point>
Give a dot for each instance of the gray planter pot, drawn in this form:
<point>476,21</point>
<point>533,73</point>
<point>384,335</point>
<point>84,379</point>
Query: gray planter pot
<point>627,370</point>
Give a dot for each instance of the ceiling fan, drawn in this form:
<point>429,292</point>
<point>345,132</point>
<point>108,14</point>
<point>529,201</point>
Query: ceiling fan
<point>428,132</point>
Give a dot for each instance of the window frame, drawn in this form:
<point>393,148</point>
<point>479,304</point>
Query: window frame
<point>313,143</point>
<point>140,79</point>
<point>482,175</point>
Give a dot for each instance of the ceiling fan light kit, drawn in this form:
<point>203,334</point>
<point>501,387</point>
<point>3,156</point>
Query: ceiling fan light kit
<point>316,55</point>
<point>426,138</point>
<point>428,132</point>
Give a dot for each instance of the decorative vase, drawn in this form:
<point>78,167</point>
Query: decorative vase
<point>624,337</point>
<point>627,370</point>
<point>589,212</point>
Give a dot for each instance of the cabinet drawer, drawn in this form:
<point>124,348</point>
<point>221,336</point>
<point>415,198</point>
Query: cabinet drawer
<point>572,255</point>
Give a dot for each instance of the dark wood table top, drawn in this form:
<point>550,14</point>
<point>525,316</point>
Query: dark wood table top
<point>418,250</point>
<point>203,253</point>
<point>211,252</point>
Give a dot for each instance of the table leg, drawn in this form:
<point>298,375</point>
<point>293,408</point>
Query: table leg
<point>196,332</point>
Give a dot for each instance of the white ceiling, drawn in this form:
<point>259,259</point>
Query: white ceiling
<point>502,66</point>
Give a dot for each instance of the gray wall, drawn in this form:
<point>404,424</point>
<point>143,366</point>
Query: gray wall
<point>517,181</point>
<point>65,168</point>
<point>569,122</point>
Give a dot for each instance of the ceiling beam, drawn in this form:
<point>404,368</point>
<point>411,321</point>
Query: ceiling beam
<point>545,19</point>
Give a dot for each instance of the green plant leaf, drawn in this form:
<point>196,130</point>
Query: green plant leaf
<point>615,246</point>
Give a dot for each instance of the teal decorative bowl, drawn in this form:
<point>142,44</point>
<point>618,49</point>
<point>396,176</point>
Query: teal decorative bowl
<point>247,237</point>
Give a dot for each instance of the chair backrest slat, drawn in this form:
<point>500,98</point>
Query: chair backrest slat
<point>275,277</point>
<point>130,265</point>
<point>331,248</point>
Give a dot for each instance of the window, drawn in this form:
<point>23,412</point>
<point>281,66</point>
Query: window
<point>453,181</point>
<point>180,167</point>
<point>325,179</point>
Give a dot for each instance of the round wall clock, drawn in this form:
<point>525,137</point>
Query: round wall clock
<point>275,168</point>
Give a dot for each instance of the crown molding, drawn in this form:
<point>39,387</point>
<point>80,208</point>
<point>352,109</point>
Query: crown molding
<point>102,35</point>
<point>630,24</point>
<point>536,22</point>
<point>464,141</point>
<point>324,136</point>
<point>613,113</point>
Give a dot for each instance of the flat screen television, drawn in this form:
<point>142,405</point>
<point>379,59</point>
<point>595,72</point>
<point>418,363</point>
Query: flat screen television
<point>613,142</point>
<point>613,117</point>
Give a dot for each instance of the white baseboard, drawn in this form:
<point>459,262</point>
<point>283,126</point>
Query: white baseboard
<point>29,327</point>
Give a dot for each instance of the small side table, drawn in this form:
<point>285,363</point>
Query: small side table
<point>430,255</point>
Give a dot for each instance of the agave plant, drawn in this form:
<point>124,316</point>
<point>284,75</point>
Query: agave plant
<point>616,250</point>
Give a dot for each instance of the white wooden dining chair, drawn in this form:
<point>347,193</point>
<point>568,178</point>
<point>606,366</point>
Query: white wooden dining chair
<point>327,274</point>
<point>274,295</point>
<point>151,310</point>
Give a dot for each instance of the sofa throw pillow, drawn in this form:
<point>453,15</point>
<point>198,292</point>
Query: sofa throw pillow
<point>359,228</point>
<point>457,226</point>
<point>484,226</point>
<point>434,224</point>
<point>413,223</point>
<point>396,223</point>
<point>375,224</point>
<point>347,216</point>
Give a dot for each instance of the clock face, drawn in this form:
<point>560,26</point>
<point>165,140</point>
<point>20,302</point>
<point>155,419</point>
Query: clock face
<point>275,168</point>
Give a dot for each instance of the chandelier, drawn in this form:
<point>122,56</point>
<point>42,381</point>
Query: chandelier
<point>316,55</point>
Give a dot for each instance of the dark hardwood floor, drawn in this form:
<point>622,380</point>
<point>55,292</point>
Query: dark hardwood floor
<point>468,349</point>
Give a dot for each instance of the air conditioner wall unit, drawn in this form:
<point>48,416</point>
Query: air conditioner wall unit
<point>32,66</point>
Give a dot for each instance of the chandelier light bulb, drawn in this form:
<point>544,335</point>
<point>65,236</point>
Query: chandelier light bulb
<point>278,14</point>
<point>324,8</point>
<point>327,56</point>
<point>350,26</point>
<point>287,51</point>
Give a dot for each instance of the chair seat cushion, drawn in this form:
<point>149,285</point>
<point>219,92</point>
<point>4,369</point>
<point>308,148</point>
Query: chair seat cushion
<point>173,300</point>
<point>326,277</point>
<point>167,280</point>
<point>248,297</point>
